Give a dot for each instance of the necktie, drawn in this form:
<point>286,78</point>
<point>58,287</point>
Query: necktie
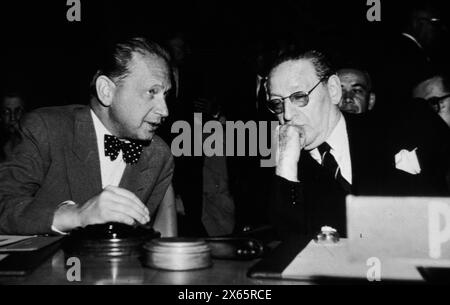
<point>330,164</point>
<point>131,149</point>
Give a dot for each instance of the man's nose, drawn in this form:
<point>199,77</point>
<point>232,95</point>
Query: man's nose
<point>288,112</point>
<point>347,97</point>
<point>11,117</point>
<point>15,117</point>
<point>161,108</point>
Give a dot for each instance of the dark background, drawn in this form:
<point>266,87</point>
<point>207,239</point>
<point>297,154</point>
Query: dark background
<point>51,59</point>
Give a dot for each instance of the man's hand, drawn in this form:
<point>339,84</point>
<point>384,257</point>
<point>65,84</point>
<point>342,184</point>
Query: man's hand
<point>113,204</point>
<point>291,140</point>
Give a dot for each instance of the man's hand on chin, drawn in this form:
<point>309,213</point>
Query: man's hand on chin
<point>291,140</point>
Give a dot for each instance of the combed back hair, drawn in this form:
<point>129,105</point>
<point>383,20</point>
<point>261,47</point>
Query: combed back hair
<point>114,62</point>
<point>321,63</point>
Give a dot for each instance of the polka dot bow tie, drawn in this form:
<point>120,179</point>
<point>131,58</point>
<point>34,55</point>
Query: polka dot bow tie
<point>131,150</point>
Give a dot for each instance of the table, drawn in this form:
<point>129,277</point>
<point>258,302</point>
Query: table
<point>53,271</point>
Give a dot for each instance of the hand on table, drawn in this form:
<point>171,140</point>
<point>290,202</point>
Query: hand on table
<point>113,204</point>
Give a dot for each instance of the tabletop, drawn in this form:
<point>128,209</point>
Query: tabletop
<point>59,270</point>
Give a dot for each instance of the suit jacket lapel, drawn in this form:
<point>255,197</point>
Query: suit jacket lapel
<point>366,154</point>
<point>352,143</point>
<point>138,177</point>
<point>308,168</point>
<point>83,165</point>
<point>133,177</point>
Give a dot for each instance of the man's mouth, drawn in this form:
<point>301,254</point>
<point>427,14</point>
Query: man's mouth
<point>352,108</point>
<point>154,125</point>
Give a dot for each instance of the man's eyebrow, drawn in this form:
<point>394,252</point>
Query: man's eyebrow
<point>275,94</point>
<point>360,85</point>
<point>158,86</point>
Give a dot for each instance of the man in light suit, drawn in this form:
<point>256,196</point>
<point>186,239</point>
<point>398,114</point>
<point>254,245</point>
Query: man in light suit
<point>324,155</point>
<point>81,165</point>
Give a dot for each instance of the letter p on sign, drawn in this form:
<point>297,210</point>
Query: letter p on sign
<point>438,227</point>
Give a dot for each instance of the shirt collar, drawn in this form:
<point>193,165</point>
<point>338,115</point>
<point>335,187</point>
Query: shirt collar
<point>100,129</point>
<point>338,141</point>
<point>340,149</point>
<point>413,39</point>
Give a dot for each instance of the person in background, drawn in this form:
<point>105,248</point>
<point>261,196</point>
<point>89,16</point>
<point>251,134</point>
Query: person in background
<point>436,92</point>
<point>357,91</point>
<point>411,55</point>
<point>12,108</point>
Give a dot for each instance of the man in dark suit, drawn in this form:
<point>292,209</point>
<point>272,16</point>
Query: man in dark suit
<point>79,165</point>
<point>411,56</point>
<point>12,108</point>
<point>434,92</point>
<point>323,155</point>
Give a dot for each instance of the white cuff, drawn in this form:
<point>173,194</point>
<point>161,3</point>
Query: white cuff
<point>68,202</point>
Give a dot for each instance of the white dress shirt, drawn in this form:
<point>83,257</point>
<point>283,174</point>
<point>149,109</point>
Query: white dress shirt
<point>111,171</point>
<point>340,149</point>
<point>413,39</point>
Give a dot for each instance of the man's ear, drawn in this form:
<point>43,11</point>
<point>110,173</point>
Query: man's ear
<point>105,90</point>
<point>334,89</point>
<point>372,99</point>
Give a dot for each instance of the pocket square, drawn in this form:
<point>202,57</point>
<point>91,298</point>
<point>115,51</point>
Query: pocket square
<point>407,161</point>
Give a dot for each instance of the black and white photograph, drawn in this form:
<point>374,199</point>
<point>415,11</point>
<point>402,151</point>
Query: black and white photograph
<point>223,149</point>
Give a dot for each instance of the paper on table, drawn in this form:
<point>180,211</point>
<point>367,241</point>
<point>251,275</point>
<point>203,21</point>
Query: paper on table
<point>10,239</point>
<point>321,260</point>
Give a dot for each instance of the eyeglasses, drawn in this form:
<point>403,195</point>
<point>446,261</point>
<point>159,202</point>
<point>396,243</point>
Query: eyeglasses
<point>435,101</point>
<point>299,99</point>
